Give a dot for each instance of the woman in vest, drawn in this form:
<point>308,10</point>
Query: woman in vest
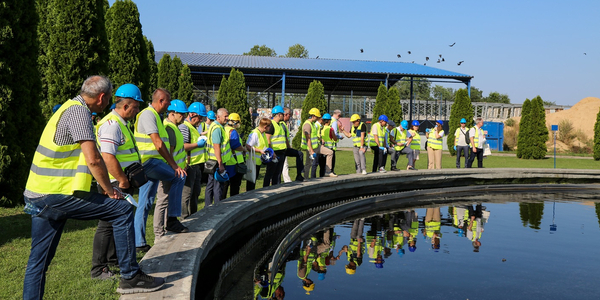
<point>257,141</point>
<point>435,139</point>
<point>358,134</point>
<point>415,145</point>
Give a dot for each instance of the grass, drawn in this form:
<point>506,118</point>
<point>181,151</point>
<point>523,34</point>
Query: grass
<point>69,274</point>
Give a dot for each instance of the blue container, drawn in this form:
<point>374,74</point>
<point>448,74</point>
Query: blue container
<point>495,136</point>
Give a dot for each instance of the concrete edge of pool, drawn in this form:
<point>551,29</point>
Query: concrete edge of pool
<point>178,257</point>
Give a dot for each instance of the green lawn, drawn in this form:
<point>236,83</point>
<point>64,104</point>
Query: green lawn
<point>69,274</point>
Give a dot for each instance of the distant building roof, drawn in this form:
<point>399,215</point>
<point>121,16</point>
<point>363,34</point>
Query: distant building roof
<point>337,75</point>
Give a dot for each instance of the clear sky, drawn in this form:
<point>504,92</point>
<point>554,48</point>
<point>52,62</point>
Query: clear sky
<point>517,47</point>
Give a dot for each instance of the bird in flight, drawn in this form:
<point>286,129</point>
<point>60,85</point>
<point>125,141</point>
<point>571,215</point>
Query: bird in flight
<point>438,61</point>
<point>460,62</point>
<point>413,62</point>
<point>453,44</point>
<point>408,52</point>
<point>427,58</point>
<point>443,59</point>
<point>399,55</point>
<point>317,57</point>
<point>440,56</point>
<point>361,50</point>
<point>424,64</point>
<point>584,53</point>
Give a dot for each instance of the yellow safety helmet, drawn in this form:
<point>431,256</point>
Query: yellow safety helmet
<point>315,112</point>
<point>350,271</point>
<point>354,117</point>
<point>309,288</point>
<point>234,117</point>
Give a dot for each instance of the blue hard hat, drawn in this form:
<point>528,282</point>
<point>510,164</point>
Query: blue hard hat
<point>211,115</point>
<point>401,252</point>
<point>94,114</point>
<point>56,107</point>
<point>326,117</point>
<point>379,265</point>
<point>267,156</point>
<point>129,90</point>
<point>463,120</point>
<point>113,106</point>
<point>221,177</point>
<point>277,110</point>
<point>197,108</point>
<point>461,232</point>
<point>412,248</point>
<point>177,106</point>
<point>321,276</point>
<point>404,124</point>
<point>440,121</point>
<point>416,123</point>
<point>383,118</point>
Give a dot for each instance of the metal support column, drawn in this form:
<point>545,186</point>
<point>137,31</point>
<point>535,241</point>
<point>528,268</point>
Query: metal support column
<point>410,109</point>
<point>283,90</point>
<point>469,88</point>
<point>351,103</point>
<point>328,102</point>
<point>386,81</point>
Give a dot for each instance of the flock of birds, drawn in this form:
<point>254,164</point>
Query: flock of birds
<point>439,60</point>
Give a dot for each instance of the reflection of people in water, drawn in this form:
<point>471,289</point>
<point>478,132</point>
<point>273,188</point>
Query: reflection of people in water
<point>475,228</point>
<point>356,247</point>
<point>307,256</point>
<point>395,234</point>
<point>375,244</point>
<point>324,252</point>
<point>265,290</point>
<point>433,224</point>
<point>460,216</point>
<point>410,228</point>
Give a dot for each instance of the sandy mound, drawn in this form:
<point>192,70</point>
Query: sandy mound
<point>582,115</point>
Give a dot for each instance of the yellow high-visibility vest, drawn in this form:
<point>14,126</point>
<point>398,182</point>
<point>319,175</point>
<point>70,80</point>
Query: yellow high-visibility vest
<point>327,141</point>
<point>355,137</point>
<point>314,136</point>
<point>434,142</point>
<point>58,169</point>
<point>416,141</point>
<point>262,144</point>
<point>197,155</point>
<point>144,142</point>
<point>178,154</point>
<point>278,137</point>
<point>225,149</point>
<point>400,137</point>
<point>127,153</point>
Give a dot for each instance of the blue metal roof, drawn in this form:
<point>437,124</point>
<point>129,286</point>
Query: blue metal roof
<point>312,65</point>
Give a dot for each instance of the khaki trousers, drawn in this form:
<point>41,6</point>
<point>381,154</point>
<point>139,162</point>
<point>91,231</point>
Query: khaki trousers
<point>308,162</point>
<point>434,158</point>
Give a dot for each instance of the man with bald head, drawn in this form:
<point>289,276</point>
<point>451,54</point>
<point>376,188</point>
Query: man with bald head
<point>153,143</point>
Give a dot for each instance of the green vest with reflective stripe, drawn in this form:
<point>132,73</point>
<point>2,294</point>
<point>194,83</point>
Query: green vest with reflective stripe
<point>327,141</point>
<point>476,138</point>
<point>126,153</point>
<point>356,138</point>
<point>314,136</point>
<point>235,159</point>
<point>380,135</point>
<point>58,169</point>
<point>400,137</point>
<point>431,227</point>
<point>197,155</point>
<point>456,221</point>
<point>434,142</point>
<point>416,141</point>
<point>179,154</point>
<point>278,137</point>
<point>225,149</point>
<point>144,142</point>
<point>262,144</point>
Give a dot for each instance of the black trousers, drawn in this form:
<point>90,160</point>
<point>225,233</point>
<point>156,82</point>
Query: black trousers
<point>250,186</point>
<point>273,173</point>
<point>472,155</point>
<point>234,183</point>
<point>289,152</point>
<point>378,158</point>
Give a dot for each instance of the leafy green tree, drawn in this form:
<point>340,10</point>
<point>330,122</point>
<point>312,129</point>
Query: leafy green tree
<point>461,108</point>
<point>128,59</point>
<point>186,86</point>
<point>261,51</point>
<point>531,214</point>
<point>232,96</point>
<point>538,130</point>
<point>297,51</point>
<point>394,112</point>
<point>315,98</point>
<point>153,69</point>
<point>495,97</point>
<point>421,89</point>
<point>76,47</point>
<point>21,120</point>
<point>381,103</point>
<point>597,137</point>
<point>446,94</point>
<point>523,149</point>
<point>476,94</point>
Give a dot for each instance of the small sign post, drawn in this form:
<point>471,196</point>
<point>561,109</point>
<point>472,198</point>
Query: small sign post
<point>554,130</point>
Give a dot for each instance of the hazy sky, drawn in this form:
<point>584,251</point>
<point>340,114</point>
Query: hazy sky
<point>520,48</point>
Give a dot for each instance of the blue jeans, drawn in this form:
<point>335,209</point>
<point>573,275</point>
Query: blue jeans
<point>462,151</point>
<point>156,170</point>
<point>48,224</point>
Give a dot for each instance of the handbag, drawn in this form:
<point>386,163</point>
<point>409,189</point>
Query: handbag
<point>136,175</point>
<point>486,150</point>
<point>250,174</point>
<point>210,166</point>
<point>241,168</point>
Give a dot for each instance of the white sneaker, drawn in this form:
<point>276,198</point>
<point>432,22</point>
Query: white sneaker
<point>382,170</point>
<point>330,175</point>
<point>364,172</point>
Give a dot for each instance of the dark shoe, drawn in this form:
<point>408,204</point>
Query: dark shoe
<point>140,283</point>
<point>106,274</point>
<point>394,169</point>
<point>300,178</point>
<point>412,169</point>
<point>174,225</point>
<point>142,249</point>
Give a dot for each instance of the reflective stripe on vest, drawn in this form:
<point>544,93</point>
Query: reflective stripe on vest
<point>178,154</point>
<point>356,138</point>
<point>235,159</point>
<point>314,136</point>
<point>126,153</point>
<point>400,137</point>
<point>144,142</point>
<point>58,169</point>
<point>225,149</point>
<point>380,135</point>
<point>262,144</point>
<point>197,155</point>
<point>476,138</point>
<point>327,141</point>
<point>416,141</point>
<point>278,137</point>
<point>434,142</point>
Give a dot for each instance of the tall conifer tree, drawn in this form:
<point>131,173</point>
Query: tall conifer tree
<point>76,48</point>
<point>128,59</point>
<point>315,98</point>
<point>164,78</point>
<point>596,142</point>
<point>186,86</point>
<point>232,96</point>
<point>461,108</point>
<point>538,130</point>
<point>381,103</point>
<point>175,73</point>
<point>21,120</point>
<point>394,111</point>
<point>523,149</point>
<point>152,67</point>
